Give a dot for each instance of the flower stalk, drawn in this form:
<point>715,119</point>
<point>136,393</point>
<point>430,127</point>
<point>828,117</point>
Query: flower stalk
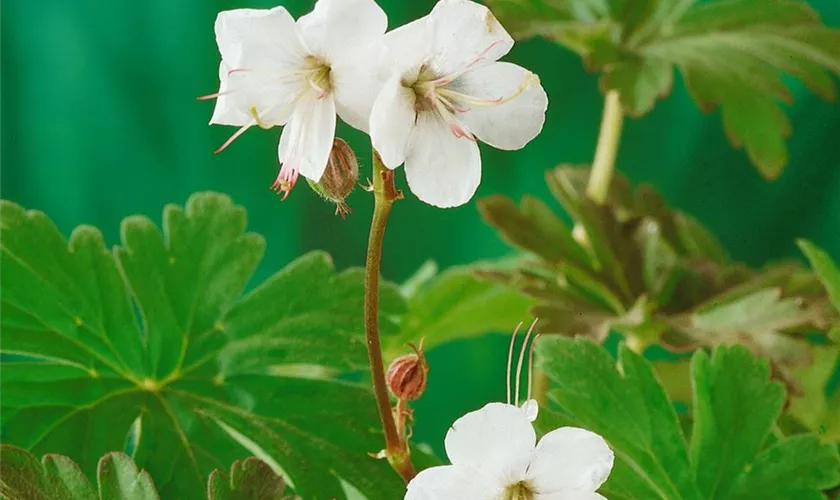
<point>608,139</point>
<point>384,195</point>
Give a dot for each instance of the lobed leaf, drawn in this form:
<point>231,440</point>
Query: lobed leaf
<point>154,343</point>
<point>735,405</point>
<point>57,477</point>
<point>731,53</point>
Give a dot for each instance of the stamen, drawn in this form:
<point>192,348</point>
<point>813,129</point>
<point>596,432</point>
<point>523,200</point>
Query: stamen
<point>527,82</point>
<point>510,358</point>
<point>286,180</point>
<point>448,78</point>
<point>451,105</point>
<point>238,70</point>
<point>233,138</point>
<point>214,95</point>
<point>456,128</point>
<point>531,365</point>
<point>521,358</point>
<point>321,92</point>
<point>256,116</point>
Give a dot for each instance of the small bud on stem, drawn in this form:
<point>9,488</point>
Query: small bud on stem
<point>339,178</point>
<point>408,374</point>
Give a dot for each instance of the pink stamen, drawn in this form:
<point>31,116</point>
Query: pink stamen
<point>448,78</point>
<point>451,105</point>
<point>286,180</point>
<point>459,132</point>
<point>233,138</point>
<point>214,95</point>
<point>321,92</point>
<point>238,70</point>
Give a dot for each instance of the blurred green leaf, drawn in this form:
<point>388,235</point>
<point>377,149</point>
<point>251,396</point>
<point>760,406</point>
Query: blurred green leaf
<point>457,304</point>
<point>735,406</point>
<point>758,320</point>
<point>251,479</point>
<point>154,341</point>
<point>826,269</point>
<point>57,477</point>
<point>816,405</point>
<point>731,53</point>
<point>638,267</point>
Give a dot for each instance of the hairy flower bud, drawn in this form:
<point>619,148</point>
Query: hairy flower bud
<point>408,374</point>
<point>340,177</point>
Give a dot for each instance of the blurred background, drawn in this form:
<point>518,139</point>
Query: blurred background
<point>100,121</point>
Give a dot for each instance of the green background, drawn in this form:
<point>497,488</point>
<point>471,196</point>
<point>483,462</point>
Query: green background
<point>100,120</point>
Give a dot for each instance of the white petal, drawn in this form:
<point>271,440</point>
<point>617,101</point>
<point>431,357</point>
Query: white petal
<point>408,47</point>
<point>569,460</point>
<point>580,495</point>
<point>256,38</point>
<point>228,110</point>
<point>497,439</point>
<point>392,121</point>
<point>336,28</point>
<point>509,125</point>
<point>441,169</point>
<point>307,139</point>
<point>452,483</point>
<point>464,33</point>
<point>356,83</point>
<point>261,51</point>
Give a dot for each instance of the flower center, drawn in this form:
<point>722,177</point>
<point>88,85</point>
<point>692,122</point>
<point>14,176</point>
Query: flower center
<point>434,93</point>
<point>318,75</point>
<point>519,491</point>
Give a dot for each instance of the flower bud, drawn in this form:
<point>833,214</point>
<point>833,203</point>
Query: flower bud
<point>408,374</point>
<point>340,176</point>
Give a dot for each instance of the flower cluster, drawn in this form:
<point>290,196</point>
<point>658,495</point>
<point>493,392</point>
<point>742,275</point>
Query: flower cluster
<point>425,92</point>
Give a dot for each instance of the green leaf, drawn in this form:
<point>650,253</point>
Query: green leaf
<point>640,83</point>
<point>735,405</point>
<point>640,268</point>
<point>59,478</point>
<point>187,375</point>
<point>758,319</point>
<point>629,409</point>
<point>252,479</point>
<point>816,405</point>
<point>790,470</point>
<point>457,304</point>
<point>119,479</point>
<point>826,269</point>
<point>535,228</point>
<point>732,54</point>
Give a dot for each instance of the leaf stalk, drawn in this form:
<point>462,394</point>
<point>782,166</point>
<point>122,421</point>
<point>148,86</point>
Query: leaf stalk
<point>603,165</point>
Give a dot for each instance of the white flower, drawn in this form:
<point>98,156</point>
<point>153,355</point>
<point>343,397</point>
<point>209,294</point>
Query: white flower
<point>446,90</point>
<point>277,72</point>
<point>495,456</point>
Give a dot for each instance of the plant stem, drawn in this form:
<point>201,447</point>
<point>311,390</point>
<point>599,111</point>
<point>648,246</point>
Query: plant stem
<point>608,139</point>
<point>384,195</point>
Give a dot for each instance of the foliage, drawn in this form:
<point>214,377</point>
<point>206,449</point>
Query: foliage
<point>57,477</point>
<point>153,344</point>
<point>454,304</point>
<point>730,453</point>
<point>732,54</point>
<point>638,267</point>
